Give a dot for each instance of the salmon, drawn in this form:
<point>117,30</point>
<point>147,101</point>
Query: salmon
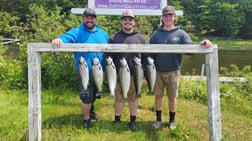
<point>138,75</point>
<point>83,72</point>
<point>124,77</point>
<point>97,74</point>
<point>111,76</point>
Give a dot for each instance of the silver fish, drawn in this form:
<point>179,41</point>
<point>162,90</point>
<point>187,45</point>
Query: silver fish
<point>97,74</point>
<point>138,75</point>
<point>83,72</point>
<point>111,76</point>
<point>151,75</point>
<point>124,78</point>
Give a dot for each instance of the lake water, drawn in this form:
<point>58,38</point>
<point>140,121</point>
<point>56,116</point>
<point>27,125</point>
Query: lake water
<point>193,64</point>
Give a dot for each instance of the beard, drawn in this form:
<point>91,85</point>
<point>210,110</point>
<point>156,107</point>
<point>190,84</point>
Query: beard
<point>89,25</point>
<point>128,29</point>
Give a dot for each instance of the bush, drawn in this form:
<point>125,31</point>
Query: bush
<point>57,70</point>
<point>10,69</point>
<point>193,90</point>
<point>236,96</point>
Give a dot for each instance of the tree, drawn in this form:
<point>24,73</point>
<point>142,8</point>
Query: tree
<point>213,17</point>
<point>246,29</point>
<point>229,19</point>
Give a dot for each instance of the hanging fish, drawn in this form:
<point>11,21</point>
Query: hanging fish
<point>138,75</point>
<point>97,74</point>
<point>83,72</point>
<point>151,75</point>
<point>124,77</point>
<point>111,76</point>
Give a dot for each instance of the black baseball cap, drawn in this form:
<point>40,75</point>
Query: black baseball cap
<point>89,12</point>
<point>168,10</point>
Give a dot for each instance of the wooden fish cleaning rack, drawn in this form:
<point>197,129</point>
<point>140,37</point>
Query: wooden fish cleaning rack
<point>34,76</point>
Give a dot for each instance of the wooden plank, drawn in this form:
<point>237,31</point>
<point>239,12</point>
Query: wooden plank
<point>214,114</point>
<point>34,109</point>
<point>144,48</point>
<point>221,79</point>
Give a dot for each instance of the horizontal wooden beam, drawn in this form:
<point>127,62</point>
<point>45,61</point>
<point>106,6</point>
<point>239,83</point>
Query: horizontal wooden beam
<point>221,79</point>
<point>143,48</point>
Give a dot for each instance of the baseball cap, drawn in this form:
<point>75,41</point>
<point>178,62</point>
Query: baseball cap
<point>128,13</point>
<point>89,12</point>
<point>168,10</point>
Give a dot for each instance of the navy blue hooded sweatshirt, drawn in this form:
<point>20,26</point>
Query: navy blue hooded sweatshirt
<point>169,61</point>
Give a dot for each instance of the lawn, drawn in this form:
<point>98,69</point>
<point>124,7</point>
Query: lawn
<point>62,120</point>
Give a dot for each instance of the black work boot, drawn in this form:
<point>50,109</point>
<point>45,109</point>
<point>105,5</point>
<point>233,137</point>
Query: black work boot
<point>92,114</point>
<point>132,125</point>
<point>87,124</point>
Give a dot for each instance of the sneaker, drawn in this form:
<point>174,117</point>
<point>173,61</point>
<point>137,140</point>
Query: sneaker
<point>116,122</point>
<point>157,124</point>
<point>172,126</point>
<point>98,96</point>
<point>93,116</point>
<point>132,126</point>
<point>87,124</point>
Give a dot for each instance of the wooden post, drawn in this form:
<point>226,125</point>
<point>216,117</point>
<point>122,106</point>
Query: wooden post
<point>214,114</point>
<point>34,109</point>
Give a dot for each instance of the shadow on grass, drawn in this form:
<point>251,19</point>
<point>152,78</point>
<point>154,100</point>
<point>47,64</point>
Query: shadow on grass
<point>66,121</point>
<point>25,137</point>
<point>75,122</point>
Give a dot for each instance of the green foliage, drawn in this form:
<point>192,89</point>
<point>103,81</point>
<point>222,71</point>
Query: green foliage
<point>111,24</point>
<point>240,93</point>
<point>42,26</point>
<point>45,26</point>
<point>20,8</point>
<point>3,71</point>
<point>229,43</point>
<point>58,71</point>
<point>230,93</point>
<point>8,24</point>
<point>229,21</point>
<point>246,29</point>
<point>147,27</point>
<point>11,74</point>
<point>228,18</point>
<point>193,90</point>
<point>234,71</point>
<point>216,18</point>
<point>198,13</point>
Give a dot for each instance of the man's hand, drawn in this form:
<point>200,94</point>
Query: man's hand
<point>206,43</point>
<point>57,42</point>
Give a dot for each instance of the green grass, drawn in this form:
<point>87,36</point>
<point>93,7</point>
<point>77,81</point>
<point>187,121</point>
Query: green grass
<point>62,120</point>
<point>229,43</point>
